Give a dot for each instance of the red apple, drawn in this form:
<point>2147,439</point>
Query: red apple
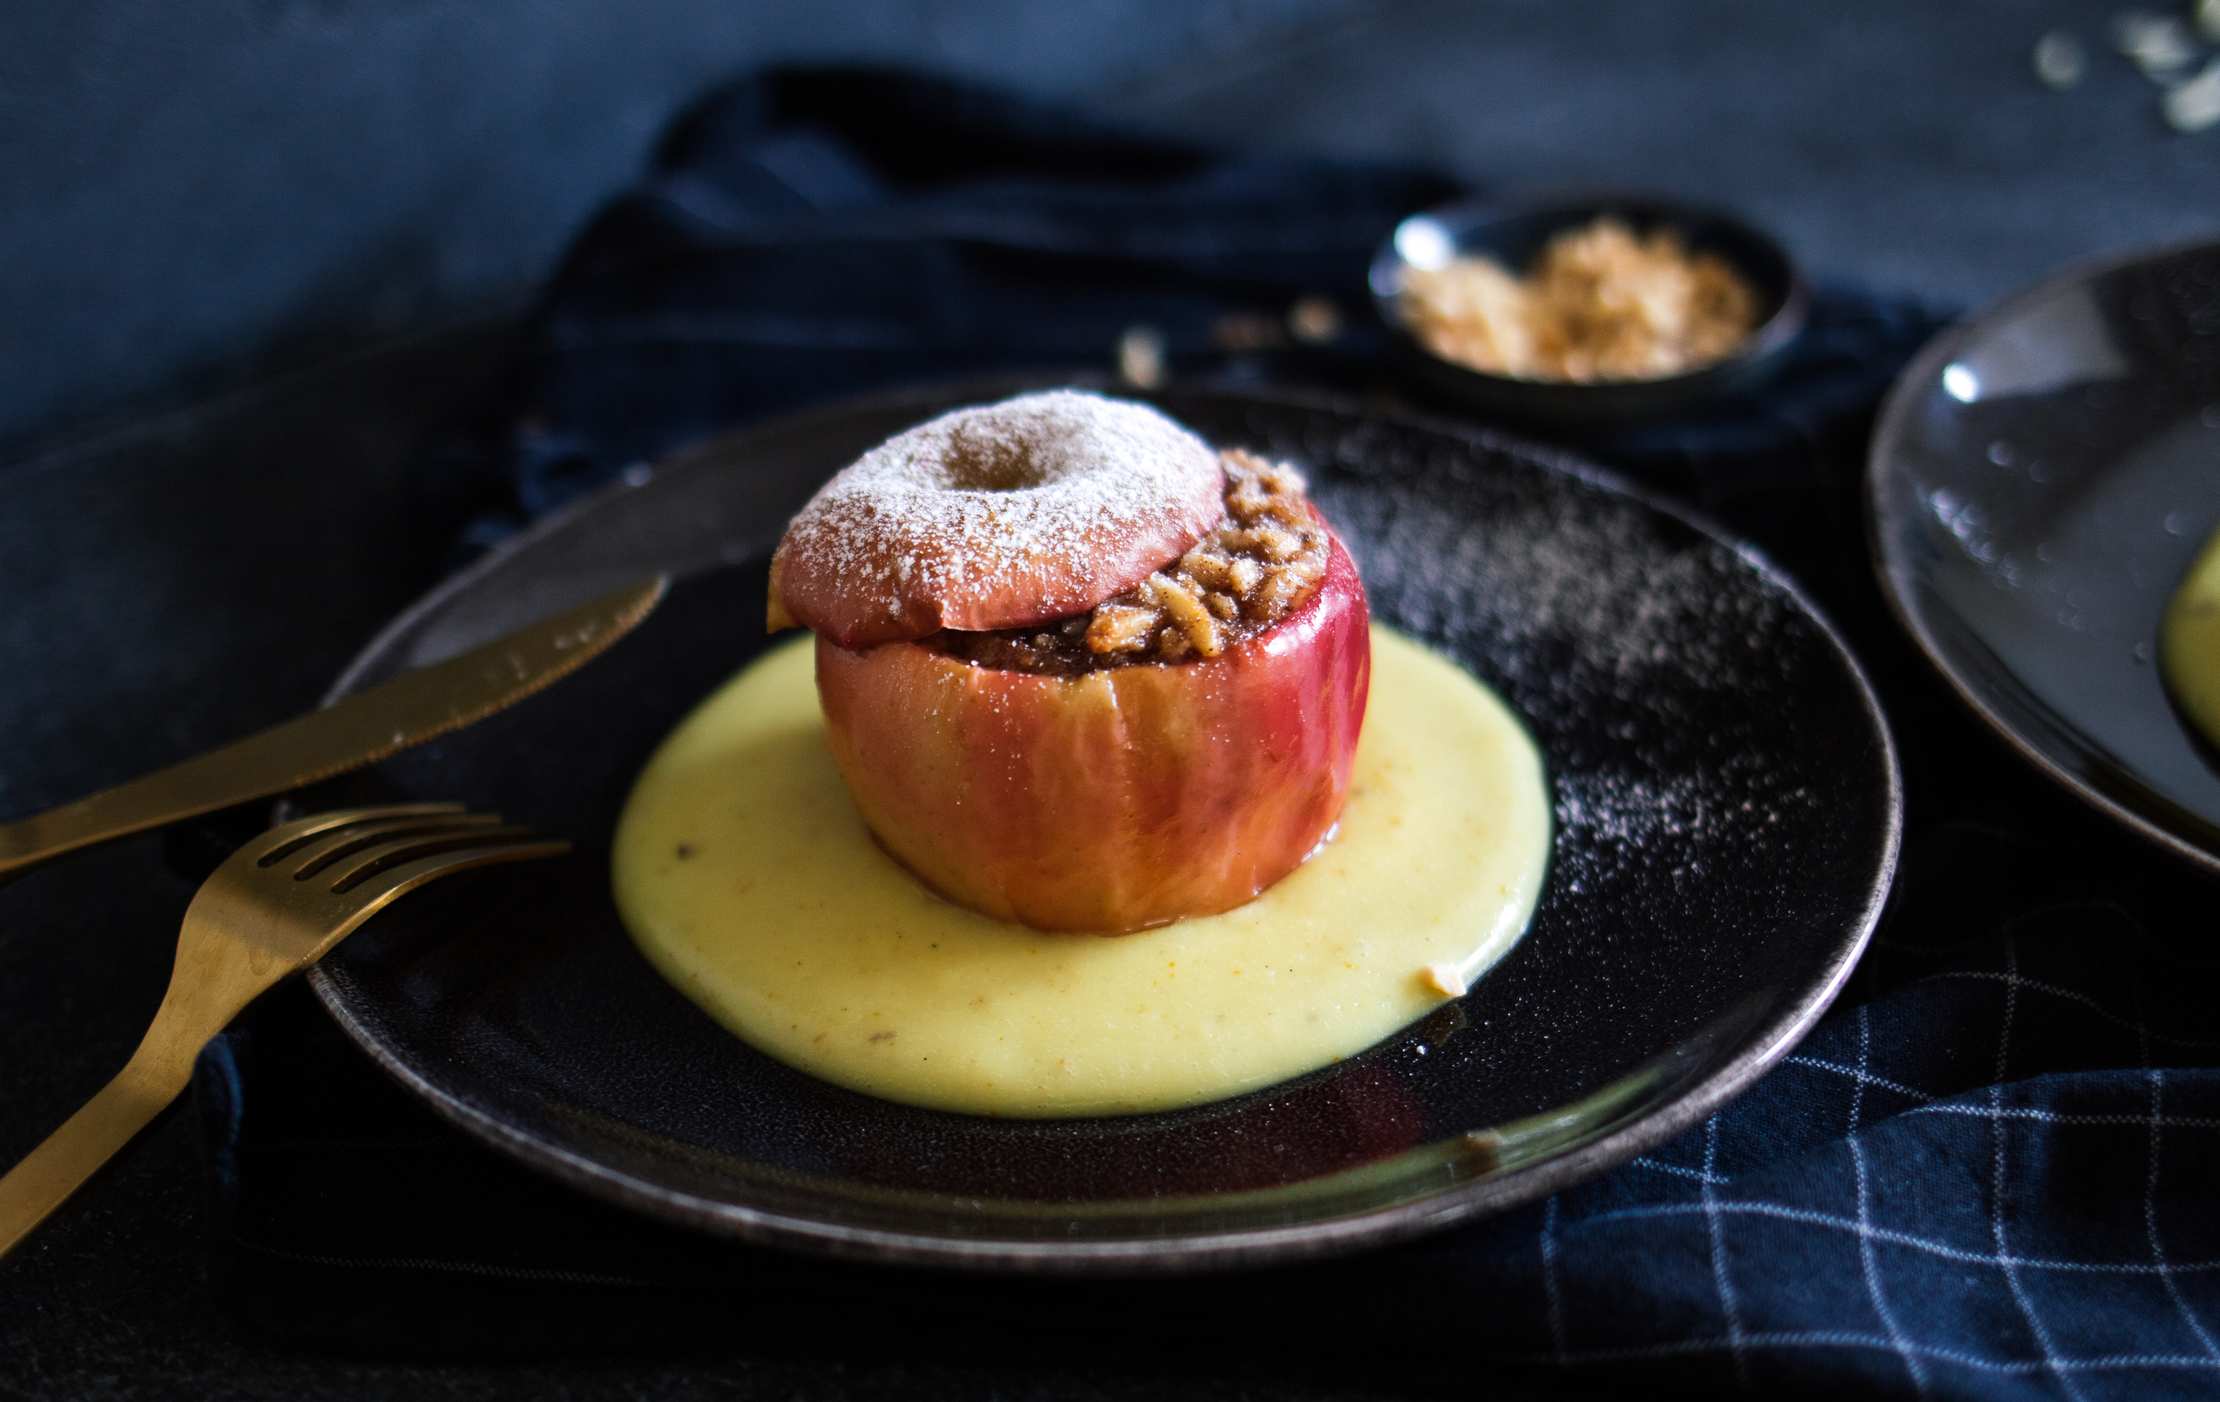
<point>1117,799</point>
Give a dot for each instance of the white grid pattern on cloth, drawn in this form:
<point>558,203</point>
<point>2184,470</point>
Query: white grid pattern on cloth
<point>1698,1175</point>
<point>2054,1117</point>
<point>1859,1073</point>
<point>1866,1263</point>
<point>1997,1138</point>
<point>1812,1218</point>
<point>1851,1339</point>
<point>1740,1342</point>
<point>1715,1225</point>
<point>2157,1079</point>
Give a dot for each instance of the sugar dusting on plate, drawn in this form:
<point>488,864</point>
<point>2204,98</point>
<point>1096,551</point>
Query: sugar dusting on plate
<point>1579,603</point>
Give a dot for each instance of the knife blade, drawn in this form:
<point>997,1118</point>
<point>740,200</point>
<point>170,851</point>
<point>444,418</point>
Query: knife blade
<point>357,730</point>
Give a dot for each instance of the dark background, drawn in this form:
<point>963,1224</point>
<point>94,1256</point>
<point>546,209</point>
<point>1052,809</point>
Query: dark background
<point>197,188</point>
<point>270,250</point>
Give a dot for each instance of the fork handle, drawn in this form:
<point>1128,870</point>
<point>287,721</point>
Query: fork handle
<point>72,1154</point>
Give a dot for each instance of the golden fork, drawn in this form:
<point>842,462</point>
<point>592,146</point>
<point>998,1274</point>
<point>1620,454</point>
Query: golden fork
<point>271,910</point>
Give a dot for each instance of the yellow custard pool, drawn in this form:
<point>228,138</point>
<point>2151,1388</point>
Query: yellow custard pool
<point>746,876</point>
<point>2189,642</point>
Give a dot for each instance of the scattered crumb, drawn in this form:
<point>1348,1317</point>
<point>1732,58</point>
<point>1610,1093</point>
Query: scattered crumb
<point>1245,331</point>
<point>1314,321</point>
<point>2158,44</point>
<point>1483,1149</point>
<point>2060,60</point>
<point>1141,357</point>
<point>2172,51</point>
<point>2195,105</point>
<point>1444,979</point>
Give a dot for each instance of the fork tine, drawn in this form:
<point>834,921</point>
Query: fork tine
<point>358,867</point>
<point>388,885</point>
<point>328,847</point>
<point>274,844</point>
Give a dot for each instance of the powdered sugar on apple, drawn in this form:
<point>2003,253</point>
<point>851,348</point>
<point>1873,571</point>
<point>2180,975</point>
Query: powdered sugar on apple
<point>1045,505</point>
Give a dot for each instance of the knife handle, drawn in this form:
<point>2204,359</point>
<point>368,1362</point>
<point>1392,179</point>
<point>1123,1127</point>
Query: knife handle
<point>355,730</point>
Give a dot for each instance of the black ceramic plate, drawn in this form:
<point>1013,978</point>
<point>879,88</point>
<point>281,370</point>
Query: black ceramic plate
<point>2041,478</point>
<point>1725,788</point>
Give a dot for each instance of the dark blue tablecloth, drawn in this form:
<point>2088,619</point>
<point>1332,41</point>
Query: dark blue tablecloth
<point>1989,1173</point>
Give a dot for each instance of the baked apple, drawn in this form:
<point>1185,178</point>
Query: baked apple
<point>1172,749</point>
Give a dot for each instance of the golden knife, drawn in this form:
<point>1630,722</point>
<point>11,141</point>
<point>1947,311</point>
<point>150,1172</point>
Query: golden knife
<point>354,731</point>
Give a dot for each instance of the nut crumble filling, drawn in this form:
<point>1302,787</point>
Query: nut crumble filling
<point>1601,303</point>
<point>1262,563</point>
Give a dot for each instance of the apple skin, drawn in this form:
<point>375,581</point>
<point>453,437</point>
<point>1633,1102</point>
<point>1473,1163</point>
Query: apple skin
<point>1118,799</point>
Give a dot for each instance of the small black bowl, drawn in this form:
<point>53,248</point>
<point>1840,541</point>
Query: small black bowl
<point>1514,234</point>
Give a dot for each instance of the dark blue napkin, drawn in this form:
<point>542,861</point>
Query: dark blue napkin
<point>1989,1173</point>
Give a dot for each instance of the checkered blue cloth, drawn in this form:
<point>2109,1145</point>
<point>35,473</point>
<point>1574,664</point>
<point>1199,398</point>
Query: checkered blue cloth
<point>1990,1173</point>
<point>1993,1171</point>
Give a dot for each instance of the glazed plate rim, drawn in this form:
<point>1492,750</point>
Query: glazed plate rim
<point>1896,573</point>
<point>1186,1250</point>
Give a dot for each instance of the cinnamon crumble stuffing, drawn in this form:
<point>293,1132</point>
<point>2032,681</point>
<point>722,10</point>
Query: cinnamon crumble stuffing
<point>1262,563</point>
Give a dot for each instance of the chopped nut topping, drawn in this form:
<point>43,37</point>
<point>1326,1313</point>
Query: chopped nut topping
<point>1120,628</point>
<point>1601,303</point>
<point>1261,564</point>
<point>1188,614</point>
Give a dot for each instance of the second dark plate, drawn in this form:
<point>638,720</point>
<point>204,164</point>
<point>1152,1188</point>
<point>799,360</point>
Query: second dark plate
<point>2042,476</point>
<point>1727,808</point>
